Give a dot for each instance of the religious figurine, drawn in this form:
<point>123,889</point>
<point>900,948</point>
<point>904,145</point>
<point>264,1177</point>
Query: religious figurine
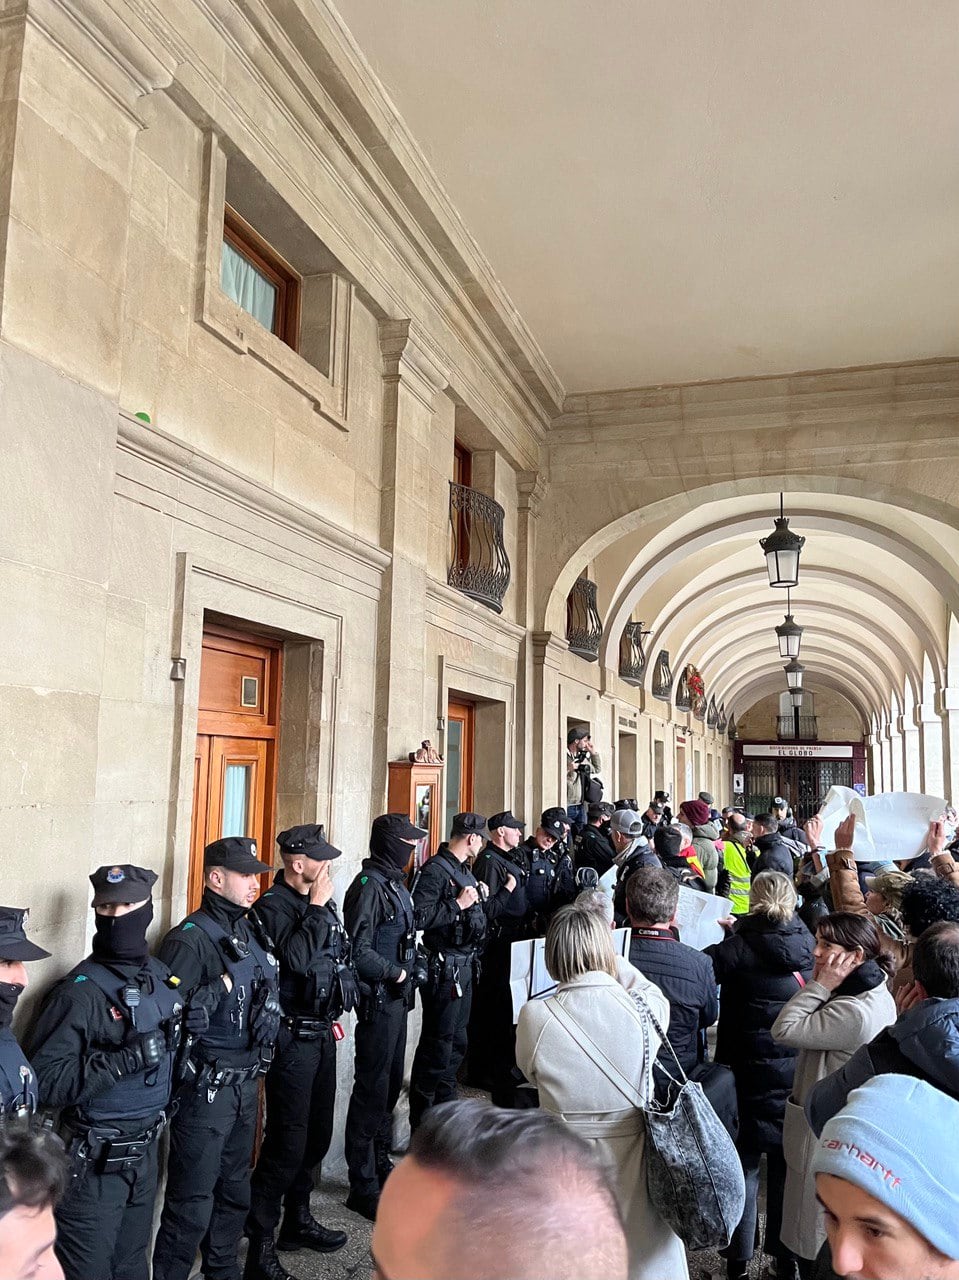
<point>426,754</point>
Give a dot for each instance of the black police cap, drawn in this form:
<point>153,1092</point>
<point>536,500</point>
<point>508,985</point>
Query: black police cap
<point>397,824</point>
<point>553,827</point>
<point>505,820</point>
<point>122,883</point>
<point>14,943</point>
<point>467,824</point>
<point>309,841</point>
<point>234,853</point>
<point>556,814</point>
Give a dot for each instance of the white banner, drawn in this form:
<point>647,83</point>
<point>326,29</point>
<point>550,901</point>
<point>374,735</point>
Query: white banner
<point>890,827</point>
<point>797,751</point>
<point>529,978</point>
<point>697,917</point>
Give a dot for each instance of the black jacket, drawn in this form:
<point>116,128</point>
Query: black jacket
<point>446,927</point>
<point>638,856</point>
<point>685,977</point>
<point>492,868</point>
<point>756,968</point>
<point>375,905</point>
<point>774,855</point>
<point>309,943</point>
<point>923,1042</point>
<point>595,849</point>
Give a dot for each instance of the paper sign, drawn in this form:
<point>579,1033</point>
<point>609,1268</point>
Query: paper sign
<point>529,979</point>
<point>697,917</point>
<point>890,827</point>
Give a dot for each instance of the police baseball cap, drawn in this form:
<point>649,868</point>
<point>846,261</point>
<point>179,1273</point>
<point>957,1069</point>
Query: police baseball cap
<point>627,822</point>
<point>504,820</point>
<point>780,803</point>
<point>234,853</point>
<point>553,826</point>
<point>398,825</point>
<point>655,806</point>
<point>122,883</point>
<point>626,803</point>
<point>555,814</point>
<point>599,809</point>
<point>14,944</point>
<point>467,824</point>
<point>308,841</point>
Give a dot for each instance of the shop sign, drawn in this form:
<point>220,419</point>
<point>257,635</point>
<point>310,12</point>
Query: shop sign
<point>797,751</point>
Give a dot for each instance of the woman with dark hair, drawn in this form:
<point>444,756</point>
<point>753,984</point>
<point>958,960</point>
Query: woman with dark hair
<point>845,1005</point>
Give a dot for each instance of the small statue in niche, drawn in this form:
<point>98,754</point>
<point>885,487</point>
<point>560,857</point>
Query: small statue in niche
<point>426,754</point>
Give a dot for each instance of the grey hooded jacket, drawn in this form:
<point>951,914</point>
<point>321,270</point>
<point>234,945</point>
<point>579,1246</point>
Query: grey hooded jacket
<point>923,1042</point>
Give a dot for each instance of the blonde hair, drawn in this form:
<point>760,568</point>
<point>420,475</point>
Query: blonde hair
<point>578,942</point>
<point>773,895</point>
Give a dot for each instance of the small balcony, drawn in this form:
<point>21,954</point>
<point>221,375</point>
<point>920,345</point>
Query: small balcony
<point>584,628</point>
<point>479,565</point>
<point>786,729</point>
<point>632,659</point>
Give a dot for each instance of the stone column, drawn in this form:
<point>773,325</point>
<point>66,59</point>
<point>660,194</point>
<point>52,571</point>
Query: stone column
<point>896,776</point>
<point>948,706</point>
<point>549,732</point>
<point>530,491</point>
<point>874,781</point>
<point>911,754</point>
<point>929,726</point>
<point>412,376</point>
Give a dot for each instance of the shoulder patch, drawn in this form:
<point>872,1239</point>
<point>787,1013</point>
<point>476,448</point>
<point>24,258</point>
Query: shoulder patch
<point>187,924</point>
<point>173,981</point>
<point>364,879</point>
<point>81,977</point>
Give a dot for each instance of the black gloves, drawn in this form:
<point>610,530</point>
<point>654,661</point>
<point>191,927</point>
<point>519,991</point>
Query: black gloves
<point>349,991</point>
<point>265,1016</point>
<point>142,1053</point>
<point>196,1021</point>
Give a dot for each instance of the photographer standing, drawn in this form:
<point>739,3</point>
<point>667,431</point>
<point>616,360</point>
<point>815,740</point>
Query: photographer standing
<point>582,762</point>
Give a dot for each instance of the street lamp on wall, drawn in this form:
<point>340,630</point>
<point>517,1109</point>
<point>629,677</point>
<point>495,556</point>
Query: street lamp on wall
<point>789,633</point>
<point>781,550</point>
<point>794,674</point>
<point>795,697</point>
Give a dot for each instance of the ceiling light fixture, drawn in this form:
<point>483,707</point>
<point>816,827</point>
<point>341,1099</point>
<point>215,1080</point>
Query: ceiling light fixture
<point>781,550</point>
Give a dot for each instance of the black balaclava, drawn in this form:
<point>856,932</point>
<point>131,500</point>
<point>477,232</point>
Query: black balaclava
<point>391,849</point>
<point>123,937</point>
<point>10,993</point>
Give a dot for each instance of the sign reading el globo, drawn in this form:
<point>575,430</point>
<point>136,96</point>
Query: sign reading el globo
<point>890,827</point>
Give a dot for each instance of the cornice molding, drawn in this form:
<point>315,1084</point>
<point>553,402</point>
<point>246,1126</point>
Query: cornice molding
<point>531,488</point>
<point>410,357</point>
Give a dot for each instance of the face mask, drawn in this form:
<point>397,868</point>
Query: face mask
<point>10,993</point>
<point>396,851</point>
<point>123,937</point>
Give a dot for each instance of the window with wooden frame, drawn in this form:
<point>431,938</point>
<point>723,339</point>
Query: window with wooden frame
<point>257,279</point>
<point>459,532</point>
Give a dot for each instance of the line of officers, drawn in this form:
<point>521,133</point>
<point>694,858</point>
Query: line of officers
<point>128,1045</point>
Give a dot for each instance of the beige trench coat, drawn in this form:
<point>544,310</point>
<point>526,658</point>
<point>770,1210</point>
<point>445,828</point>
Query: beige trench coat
<point>573,1088</point>
<point>826,1031</point>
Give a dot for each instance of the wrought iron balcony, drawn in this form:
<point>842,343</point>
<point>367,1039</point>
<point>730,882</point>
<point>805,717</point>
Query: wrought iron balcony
<point>662,677</point>
<point>479,565</point>
<point>786,729</point>
<point>584,627</point>
<point>632,658</point>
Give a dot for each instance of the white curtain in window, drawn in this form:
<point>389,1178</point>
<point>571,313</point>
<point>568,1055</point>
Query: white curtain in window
<point>248,288</point>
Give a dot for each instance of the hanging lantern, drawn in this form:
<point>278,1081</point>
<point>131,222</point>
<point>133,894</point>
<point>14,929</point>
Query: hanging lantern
<point>794,673</point>
<point>795,697</point>
<point>781,550</point>
<point>789,633</point>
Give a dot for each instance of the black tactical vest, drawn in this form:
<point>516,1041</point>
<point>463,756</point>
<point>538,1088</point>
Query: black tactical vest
<point>468,931</point>
<point>18,1084</point>
<point>316,993</point>
<point>249,965</point>
<point>144,1094</point>
<point>394,937</point>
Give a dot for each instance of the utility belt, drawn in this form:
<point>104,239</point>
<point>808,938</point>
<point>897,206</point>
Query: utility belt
<point>453,968</point>
<point>105,1149</point>
<point>213,1077</point>
<point>306,1026</point>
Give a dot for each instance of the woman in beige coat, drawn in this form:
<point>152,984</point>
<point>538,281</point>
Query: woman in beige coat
<point>575,1047</point>
<point>845,1005</point>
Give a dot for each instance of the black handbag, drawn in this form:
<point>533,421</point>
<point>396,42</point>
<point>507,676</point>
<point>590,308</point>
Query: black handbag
<point>719,1086</point>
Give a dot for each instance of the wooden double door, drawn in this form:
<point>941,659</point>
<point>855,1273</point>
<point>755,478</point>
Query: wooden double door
<point>234,781</point>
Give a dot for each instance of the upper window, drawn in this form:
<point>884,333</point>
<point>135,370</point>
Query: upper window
<point>257,279</point>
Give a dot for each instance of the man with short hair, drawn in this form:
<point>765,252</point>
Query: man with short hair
<point>454,912</point>
<point>684,975</point>
<point>104,1050</point>
<point>652,817</point>
<point>737,848</point>
<point>633,851</point>
<point>228,972</point>
<point>774,853</point>
<point>33,1176</point>
<point>595,846</point>
<point>787,825</point>
<point>582,762</point>
<point>885,1172</point>
<point>488,1194</point>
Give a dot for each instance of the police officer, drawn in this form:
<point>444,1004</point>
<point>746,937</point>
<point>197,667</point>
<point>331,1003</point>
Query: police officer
<point>229,979</point>
<point>452,910</point>
<point>540,863</point>
<point>378,913</point>
<point>18,1084</point>
<point>316,986</point>
<point>492,1035</point>
<point>104,1051</point>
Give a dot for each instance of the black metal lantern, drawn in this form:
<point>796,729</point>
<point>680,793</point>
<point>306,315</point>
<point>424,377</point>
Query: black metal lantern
<point>795,697</point>
<point>789,633</point>
<point>794,673</point>
<point>781,550</point>
<point>733,729</point>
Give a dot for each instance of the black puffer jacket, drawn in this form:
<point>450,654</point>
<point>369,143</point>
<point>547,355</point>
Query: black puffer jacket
<point>756,968</point>
<point>685,977</point>
<point>774,855</point>
<point>595,849</point>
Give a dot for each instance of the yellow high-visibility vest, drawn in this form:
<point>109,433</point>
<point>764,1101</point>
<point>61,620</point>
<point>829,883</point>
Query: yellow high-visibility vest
<point>734,860</point>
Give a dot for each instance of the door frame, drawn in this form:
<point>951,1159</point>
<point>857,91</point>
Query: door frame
<point>464,713</point>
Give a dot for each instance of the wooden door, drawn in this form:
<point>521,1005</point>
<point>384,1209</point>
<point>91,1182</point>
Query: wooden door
<point>237,739</point>
<point>460,720</point>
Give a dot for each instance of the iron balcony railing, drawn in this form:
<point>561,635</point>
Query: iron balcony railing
<point>632,658</point>
<point>786,729</point>
<point>584,627</point>
<point>662,677</point>
<point>479,565</point>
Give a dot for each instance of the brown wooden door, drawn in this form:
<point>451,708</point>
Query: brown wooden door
<point>237,739</point>
<point>460,719</point>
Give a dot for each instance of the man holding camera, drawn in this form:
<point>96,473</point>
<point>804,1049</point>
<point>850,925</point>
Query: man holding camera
<point>229,978</point>
<point>582,762</point>
<point>316,987</point>
<point>103,1052</point>
<point>378,912</point>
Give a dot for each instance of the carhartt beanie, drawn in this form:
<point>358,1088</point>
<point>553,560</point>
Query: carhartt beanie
<point>895,1139</point>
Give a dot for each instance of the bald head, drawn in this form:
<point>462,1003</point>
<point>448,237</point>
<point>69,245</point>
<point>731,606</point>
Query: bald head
<point>489,1194</point>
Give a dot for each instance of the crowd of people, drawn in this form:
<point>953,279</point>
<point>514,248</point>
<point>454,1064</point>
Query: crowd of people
<point>834,994</point>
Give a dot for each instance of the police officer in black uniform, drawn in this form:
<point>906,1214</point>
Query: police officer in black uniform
<point>316,987</point>
<point>229,978</point>
<point>492,1035</point>
<point>104,1051</point>
<point>541,862</point>
<point>378,913</point>
<point>18,1083</point>
<point>564,874</point>
<point>452,909</point>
